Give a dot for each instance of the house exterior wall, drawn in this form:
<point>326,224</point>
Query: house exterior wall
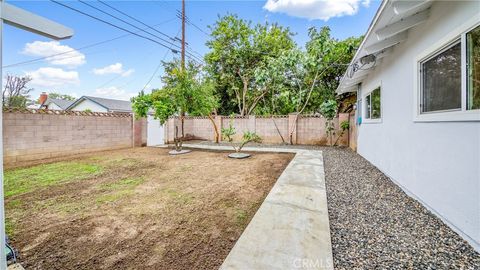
<point>88,104</point>
<point>53,106</point>
<point>438,163</point>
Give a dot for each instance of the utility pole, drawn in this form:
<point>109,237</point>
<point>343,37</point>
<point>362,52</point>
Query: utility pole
<point>183,34</point>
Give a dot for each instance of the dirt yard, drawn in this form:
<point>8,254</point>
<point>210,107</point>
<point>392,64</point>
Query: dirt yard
<point>135,208</point>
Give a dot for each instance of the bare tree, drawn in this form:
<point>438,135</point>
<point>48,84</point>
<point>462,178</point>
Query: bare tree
<point>15,93</point>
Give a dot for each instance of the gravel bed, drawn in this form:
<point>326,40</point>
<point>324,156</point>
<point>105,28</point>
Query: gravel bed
<point>375,225</point>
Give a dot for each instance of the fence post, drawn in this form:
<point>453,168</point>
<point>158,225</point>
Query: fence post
<point>352,133</point>
<point>344,139</point>
<point>139,131</point>
<point>292,128</point>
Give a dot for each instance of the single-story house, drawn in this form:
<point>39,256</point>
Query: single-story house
<point>46,102</point>
<point>56,104</point>
<point>96,104</point>
<point>417,78</point>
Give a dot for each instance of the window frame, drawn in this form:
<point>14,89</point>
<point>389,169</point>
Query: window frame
<point>366,106</point>
<point>449,40</point>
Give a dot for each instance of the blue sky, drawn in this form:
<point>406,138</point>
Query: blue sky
<point>122,67</point>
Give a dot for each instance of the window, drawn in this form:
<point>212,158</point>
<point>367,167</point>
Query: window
<point>442,84</point>
<point>449,78</point>
<point>473,69</point>
<point>372,105</point>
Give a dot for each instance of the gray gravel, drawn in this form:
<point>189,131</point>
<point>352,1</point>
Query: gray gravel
<point>375,225</point>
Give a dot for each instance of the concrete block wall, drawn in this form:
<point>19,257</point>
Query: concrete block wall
<point>307,129</point>
<point>267,127</point>
<point>29,136</point>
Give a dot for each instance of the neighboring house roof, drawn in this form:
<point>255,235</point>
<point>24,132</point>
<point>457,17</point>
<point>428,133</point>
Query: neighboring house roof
<point>59,102</point>
<point>389,27</point>
<point>112,105</point>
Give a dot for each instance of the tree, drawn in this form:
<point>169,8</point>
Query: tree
<point>333,58</point>
<point>237,49</point>
<point>61,96</point>
<point>185,92</point>
<point>15,92</point>
<point>329,110</point>
<point>247,137</point>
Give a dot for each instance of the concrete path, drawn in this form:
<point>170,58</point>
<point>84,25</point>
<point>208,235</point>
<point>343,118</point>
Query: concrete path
<point>290,229</point>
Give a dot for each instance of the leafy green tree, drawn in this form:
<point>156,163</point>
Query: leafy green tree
<point>185,92</point>
<point>61,96</point>
<point>236,50</point>
<point>329,110</point>
<point>302,80</point>
<point>333,58</point>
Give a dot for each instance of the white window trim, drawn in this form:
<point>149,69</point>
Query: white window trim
<point>364,105</point>
<point>462,115</point>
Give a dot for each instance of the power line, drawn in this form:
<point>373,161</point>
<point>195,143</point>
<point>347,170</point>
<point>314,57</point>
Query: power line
<point>158,67</point>
<point>111,24</point>
<point>115,17</point>
<point>179,14</point>
<point>135,19</point>
<point>134,26</point>
<point>76,49</point>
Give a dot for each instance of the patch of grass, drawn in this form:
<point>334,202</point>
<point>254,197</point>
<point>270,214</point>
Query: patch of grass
<point>241,217</point>
<point>118,190</point>
<point>14,204</point>
<point>24,180</point>
<point>9,227</point>
<point>113,197</point>
<point>179,197</point>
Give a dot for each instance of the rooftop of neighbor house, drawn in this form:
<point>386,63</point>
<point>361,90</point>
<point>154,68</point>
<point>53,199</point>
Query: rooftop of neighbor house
<point>59,102</point>
<point>109,104</point>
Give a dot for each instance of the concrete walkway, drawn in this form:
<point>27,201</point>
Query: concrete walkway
<point>290,229</point>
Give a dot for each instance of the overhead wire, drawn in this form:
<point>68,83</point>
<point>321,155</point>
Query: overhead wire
<point>157,68</point>
<point>113,25</point>
<point>76,49</point>
<point>132,25</point>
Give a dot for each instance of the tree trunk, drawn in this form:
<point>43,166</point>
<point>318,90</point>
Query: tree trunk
<point>215,129</point>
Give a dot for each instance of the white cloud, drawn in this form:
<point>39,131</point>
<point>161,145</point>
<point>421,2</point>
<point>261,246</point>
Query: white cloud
<point>113,92</point>
<point>50,77</point>
<point>315,9</point>
<point>68,57</point>
<point>116,68</point>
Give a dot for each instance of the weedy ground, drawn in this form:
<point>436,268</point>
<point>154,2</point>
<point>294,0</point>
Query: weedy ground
<point>135,208</point>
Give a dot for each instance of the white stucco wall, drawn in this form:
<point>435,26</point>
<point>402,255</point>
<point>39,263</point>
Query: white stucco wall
<point>438,163</point>
<point>87,104</point>
<point>53,106</point>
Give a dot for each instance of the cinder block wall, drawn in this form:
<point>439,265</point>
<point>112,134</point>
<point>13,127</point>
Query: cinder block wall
<point>307,129</point>
<point>33,135</point>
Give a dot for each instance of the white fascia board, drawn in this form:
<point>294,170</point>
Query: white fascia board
<point>347,89</point>
<point>386,43</point>
<point>355,81</point>
<point>381,9</point>
<point>402,25</point>
<point>33,23</point>
<point>403,6</point>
